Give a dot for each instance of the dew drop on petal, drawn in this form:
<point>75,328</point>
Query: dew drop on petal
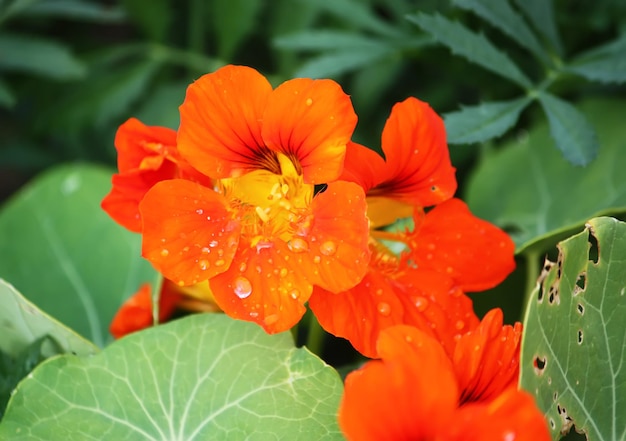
<point>271,319</point>
<point>328,248</point>
<point>164,252</point>
<point>199,211</point>
<point>213,243</point>
<point>242,287</point>
<point>317,259</point>
<point>220,262</point>
<point>379,292</point>
<point>298,245</point>
<point>309,101</point>
<point>243,267</point>
<point>294,294</point>
<point>421,303</point>
<point>460,324</point>
<point>203,264</point>
<point>206,250</point>
<point>284,272</point>
<point>384,309</point>
<point>254,314</point>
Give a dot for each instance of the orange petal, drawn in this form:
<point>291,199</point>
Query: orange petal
<point>410,395</point>
<point>486,359</point>
<point>310,121</point>
<point>220,122</point>
<point>418,168</point>
<point>362,166</point>
<point>136,141</point>
<point>451,240</point>
<point>122,202</point>
<point>136,312</point>
<point>360,313</point>
<point>188,234</point>
<point>337,244</point>
<point>263,285</point>
<point>513,415</point>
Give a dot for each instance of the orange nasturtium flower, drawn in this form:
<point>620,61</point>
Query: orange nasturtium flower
<point>413,393</point>
<point>260,235</point>
<point>449,250</point>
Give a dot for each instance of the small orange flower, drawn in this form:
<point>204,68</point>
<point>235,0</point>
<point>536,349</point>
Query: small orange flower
<point>260,235</point>
<point>136,312</point>
<point>145,156</point>
<point>412,393</point>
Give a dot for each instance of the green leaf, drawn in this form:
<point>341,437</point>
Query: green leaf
<point>152,18</point>
<point>22,324</point>
<point>233,21</point>
<point>606,64</point>
<point>202,377</point>
<point>528,188</point>
<point>7,98</point>
<point>466,43</point>
<point>573,355</point>
<point>318,40</point>
<point>64,253</point>
<point>337,63</point>
<point>483,122</point>
<point>161,107</point>
<point>573,134</point>
<point>541,15</point>
<point>38,56</point>
<point>359,14</point>
<point>77,10</point>
<point>501,15</point>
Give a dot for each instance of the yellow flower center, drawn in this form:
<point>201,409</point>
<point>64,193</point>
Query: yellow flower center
<point>270,206</point>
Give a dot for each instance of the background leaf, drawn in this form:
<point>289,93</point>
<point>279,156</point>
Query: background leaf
<point>335,63</point>
<point>541,15</point>
<point>37,56</point>
<point>466,43</point>
<point>571,131</point>
<point>233,21</point>
<point>573,351</point>
<point>483,122</point>
<point>64,253</point>
<point>202,377</point>
<point>606,63</point>
<point>528,188</point>
<point>500,14</point>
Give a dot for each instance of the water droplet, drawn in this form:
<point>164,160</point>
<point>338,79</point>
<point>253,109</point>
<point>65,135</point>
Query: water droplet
<point>298,245</point>
<point>206,250</point>
<point>271,319</point>
<point>284,272</point>
<point>213,243</point>
<point>199,211</point>
<point>181,283</point>
<point>384,309</point>
<point>379,292</point>
<point>208,218</point>
<point>242,287</point>
<point>294,294</point>
<point>164,252</point>
<point>203,264</point>
<point>220,252</point>
<point>254,314</point>
<point>243,267</point>
<point>309,101</point>
<point>220,262</point>
<point>317,259</point>
<point>460,324</point>
<point>421,303</point>
<point>328,248</point>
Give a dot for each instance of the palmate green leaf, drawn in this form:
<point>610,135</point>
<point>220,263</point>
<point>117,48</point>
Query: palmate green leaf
<point>528,188</point>
<point>336,63</point>
<point>606,64</point>
<point>22,323</point>
<point>475,47</point>
<point>573,134</point>
<point>233,20</point>
<point>574,345</point>
<point>202,377</point>
<point>541,15</point>
<point>63,252</point>
<point>500,14</point>
<point>483,122</point>
<point>39,56</point>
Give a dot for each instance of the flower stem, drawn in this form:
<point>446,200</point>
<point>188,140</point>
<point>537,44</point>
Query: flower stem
<point>315,337</point>
<point>532,274</point>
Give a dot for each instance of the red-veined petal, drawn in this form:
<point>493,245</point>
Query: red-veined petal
<point>220,122</point>
<point>451,240</point>
<point>310,121</point>
<point>188,233</point>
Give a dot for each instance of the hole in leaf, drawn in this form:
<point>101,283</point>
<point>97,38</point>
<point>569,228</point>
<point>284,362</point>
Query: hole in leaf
<point>539,363</point>
<point>581,281</point>
<point>554,295</point>
<point>574,435</point>
<point>555,396</point>
<point>552,424</point>
<point>594,249</point>
<point>581,309</point>
<point>580,336</point>
<point>566,421</point>
<point>540,294</point>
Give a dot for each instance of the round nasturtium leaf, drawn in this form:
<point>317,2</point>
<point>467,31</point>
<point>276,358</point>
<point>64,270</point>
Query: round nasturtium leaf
<point>202,377</point>
<point>574,345</point>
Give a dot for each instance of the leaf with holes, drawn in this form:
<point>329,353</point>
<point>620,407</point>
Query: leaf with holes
<point>574,351</point>
<point>206,376</point>
<point>65,254</point>
<point>529,189</point>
